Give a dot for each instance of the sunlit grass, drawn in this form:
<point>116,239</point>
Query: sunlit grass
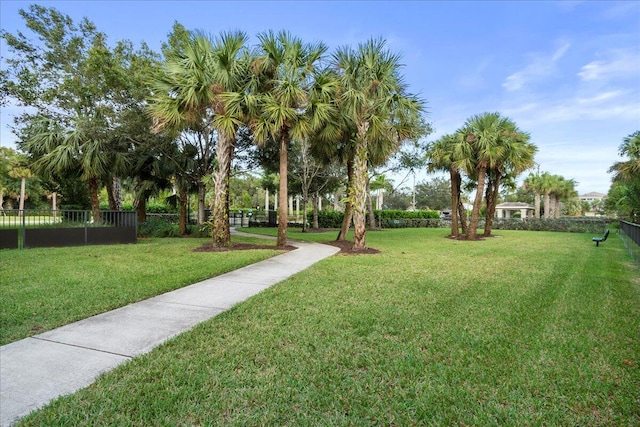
<point>529,328</point>
<point>45,288</point>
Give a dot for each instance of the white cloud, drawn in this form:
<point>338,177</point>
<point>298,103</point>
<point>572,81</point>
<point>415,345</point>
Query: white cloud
<point>619,63</point>
<point>540,65</point>
<point>605,96</point>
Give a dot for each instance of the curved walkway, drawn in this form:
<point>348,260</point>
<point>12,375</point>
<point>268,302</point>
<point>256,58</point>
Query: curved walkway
<point>40,368</point>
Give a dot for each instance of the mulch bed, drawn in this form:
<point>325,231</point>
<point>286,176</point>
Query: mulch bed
<point>346,248</point>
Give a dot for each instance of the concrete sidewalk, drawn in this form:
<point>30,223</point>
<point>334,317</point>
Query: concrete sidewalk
<point>35,370</point>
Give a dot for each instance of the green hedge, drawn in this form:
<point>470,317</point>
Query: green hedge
<point>390,218</point>
<point>412,215</point>
<point>431,219</point>
<point>570,225</point>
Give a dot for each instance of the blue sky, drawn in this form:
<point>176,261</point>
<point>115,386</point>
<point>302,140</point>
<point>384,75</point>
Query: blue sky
<point>566,72</point>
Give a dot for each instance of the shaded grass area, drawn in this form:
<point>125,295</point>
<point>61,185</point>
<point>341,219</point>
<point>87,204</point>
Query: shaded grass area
<point>46,288</point>
<point>530,328</point>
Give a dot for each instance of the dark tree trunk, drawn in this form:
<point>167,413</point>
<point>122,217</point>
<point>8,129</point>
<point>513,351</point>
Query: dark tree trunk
<point>315,211</point>
<point>111,198</point>
<point>183,199</point>
<point>142,208</point>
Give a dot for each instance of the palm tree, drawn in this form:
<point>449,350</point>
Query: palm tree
<point>564,190</point>
<point>535,184</point>
<point>333,143</point>
<point>630,169</point>
<point>441,158</point>
<point>292,102</point>
<point>517,156</point>
<point>374,100</point>
<point>84,149</point>
<point>483,148</point>
<point>547,185</point>
<point>199,81</point>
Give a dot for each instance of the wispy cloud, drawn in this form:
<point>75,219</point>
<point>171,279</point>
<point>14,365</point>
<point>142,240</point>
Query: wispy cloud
<point>607,105</point>
<point>618,63</point>
<point>540,65</point>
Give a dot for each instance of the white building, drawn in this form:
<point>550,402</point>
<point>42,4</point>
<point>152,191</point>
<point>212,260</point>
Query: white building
<point>505,210</point>
<point>592,197</point>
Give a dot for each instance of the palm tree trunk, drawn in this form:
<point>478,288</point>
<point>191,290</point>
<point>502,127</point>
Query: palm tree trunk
<point>552,206</point>
<point>93,196</point>
<point>114,194</point>
<point>142,208</point>
<point>455,196</point>
<point>283,216</point>
<point>348,208</point>
<point>117,193</point>
<point>558,208</point>
<point>358,193</point>
<point>492,200</point>
<point>536,204</point>
<point>547,205</point>
<point>462,212</point>
<point>475,213</point>
<point>220,227</point>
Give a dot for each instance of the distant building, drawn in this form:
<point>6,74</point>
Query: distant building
<point>592,197</point>
<point>595,203</point>
<point>521,210</point>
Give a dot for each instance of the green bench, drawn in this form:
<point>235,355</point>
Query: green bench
<point>599,240</point>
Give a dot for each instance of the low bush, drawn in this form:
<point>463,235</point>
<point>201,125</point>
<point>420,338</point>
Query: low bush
<point>390,218</point>
<point>570,225</point>
<point>327,219</point>
<point>160,227</point>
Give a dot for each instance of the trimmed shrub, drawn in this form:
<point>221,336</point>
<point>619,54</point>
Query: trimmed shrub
<point>390,218</point>
<point>160,227</point>
<point>569,225</point>
<point>327,219</point>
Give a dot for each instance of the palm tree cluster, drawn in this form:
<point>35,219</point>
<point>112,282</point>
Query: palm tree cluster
<point>554,189</point>
<point>487,151</point>
<point>102,114</point>
<point>351,107</point>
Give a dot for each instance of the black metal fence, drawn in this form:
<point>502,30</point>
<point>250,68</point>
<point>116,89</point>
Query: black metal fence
<point>630,234</point>
<point>48,228</point>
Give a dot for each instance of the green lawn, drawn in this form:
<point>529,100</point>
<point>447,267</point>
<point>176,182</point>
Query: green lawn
<point>45,288</point>
<point>530,328</point>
